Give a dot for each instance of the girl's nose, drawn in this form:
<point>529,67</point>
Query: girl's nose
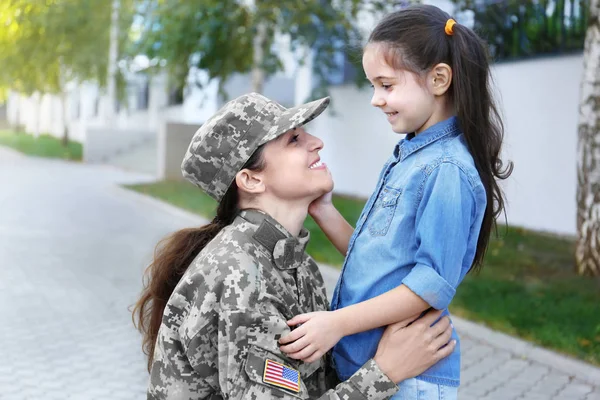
<point>377,101</point>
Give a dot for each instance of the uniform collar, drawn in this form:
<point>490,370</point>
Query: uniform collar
<point>412,143</point>
<point>287,250</point>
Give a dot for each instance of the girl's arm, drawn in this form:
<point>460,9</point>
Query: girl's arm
<point>320,331</point>
<point>333,224</point>
<point>393,306</point>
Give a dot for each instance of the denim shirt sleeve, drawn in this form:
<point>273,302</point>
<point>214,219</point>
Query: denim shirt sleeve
<point>443,221</point>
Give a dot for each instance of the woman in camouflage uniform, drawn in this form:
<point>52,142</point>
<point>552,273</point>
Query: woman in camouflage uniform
<point>218,297</point>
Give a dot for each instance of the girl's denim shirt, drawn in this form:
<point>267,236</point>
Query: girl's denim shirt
<point>419,228</point>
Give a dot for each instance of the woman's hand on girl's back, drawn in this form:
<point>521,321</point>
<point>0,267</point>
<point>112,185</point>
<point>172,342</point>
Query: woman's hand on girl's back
<point>408,348</point>
<point>317,334</point>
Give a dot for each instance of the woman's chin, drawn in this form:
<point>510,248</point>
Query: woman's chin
<point>329,186</point>
<point>323,190</point>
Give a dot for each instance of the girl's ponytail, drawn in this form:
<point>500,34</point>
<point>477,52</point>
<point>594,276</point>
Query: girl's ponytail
<point>480,123</point>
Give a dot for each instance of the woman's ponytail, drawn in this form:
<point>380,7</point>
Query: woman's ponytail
<point>172,257</point>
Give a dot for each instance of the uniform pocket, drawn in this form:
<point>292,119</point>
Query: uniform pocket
<point>383,211</point>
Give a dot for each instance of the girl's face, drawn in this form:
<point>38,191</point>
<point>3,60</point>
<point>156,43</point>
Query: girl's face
<point>294,171</point>
<point>408,103</point>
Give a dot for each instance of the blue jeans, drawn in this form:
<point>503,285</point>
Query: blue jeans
<point>414,389</point>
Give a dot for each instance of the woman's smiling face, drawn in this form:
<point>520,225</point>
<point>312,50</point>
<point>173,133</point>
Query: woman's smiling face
<point>294,170</point>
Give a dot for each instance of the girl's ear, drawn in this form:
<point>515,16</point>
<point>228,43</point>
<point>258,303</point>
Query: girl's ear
<point>250,182</point>
<point>440,77</point>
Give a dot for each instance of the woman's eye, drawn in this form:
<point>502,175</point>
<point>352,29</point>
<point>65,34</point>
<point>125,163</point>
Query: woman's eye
<point>294,138</point>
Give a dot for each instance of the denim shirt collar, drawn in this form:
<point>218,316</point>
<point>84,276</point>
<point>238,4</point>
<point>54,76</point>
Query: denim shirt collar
<point>412,143</point>
<point>288,251</point>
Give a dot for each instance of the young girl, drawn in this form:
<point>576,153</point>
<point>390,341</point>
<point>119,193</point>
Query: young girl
<point>429,219</point>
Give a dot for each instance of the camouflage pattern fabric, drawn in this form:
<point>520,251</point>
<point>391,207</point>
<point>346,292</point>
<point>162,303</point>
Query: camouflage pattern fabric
<point>225,316</point>
<point>222,145</point>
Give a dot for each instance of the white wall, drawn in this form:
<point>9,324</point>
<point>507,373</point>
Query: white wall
<point>540,102</point>
<point>47,117</point>
<point>541,105</point>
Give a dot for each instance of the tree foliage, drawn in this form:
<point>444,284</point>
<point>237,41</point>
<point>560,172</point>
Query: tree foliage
<point>519,29</point>
<point>47,43</point>
<point>216,36</point>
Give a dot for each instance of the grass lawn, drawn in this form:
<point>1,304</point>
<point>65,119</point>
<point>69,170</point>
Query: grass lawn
<point>527,287</point>
<point>43,146</point>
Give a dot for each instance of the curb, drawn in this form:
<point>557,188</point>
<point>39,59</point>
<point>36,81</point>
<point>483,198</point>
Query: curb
<point>529,351</point>
<point>162,205</point>
<point>9,154</point>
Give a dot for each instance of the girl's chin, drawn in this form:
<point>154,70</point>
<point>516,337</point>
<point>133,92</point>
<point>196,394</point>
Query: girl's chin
<point>400,130</point>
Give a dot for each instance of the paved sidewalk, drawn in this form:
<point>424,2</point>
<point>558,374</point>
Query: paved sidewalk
<point>73,246</point>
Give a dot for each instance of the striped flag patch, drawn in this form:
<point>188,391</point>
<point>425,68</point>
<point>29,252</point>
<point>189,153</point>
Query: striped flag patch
<point>279,375</point>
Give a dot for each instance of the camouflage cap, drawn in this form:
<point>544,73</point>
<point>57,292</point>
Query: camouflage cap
<point>224,143</point>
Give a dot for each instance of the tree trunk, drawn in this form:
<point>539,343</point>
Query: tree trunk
<point>38,109</point>
<point>573,24</point>
<point>258,73</point>
<point>17,126</point>
<point>63,100</point>
<point>113,54</point>
<point>587,252</point>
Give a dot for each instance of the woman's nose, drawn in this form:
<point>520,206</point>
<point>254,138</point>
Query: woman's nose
<point>315,143</point>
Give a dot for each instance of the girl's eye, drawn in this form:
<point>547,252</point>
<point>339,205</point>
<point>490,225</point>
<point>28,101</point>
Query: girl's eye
<point>384,86</point>
<point>294,138</point>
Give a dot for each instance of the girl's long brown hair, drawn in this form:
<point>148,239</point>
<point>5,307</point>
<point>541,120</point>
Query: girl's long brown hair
<point>415,40</point>
<point>172,257</point>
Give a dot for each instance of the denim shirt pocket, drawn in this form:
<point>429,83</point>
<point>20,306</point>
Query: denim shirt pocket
<point>383,211</point>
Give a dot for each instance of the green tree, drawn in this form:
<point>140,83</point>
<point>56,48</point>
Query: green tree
<point>225,37</point>
<point>518,29</point>
<point>48,43</point>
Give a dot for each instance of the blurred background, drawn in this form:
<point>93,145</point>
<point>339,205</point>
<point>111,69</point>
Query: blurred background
<point>100,98</point>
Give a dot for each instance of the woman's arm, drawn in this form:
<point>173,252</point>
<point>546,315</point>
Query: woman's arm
<point>405,350</point>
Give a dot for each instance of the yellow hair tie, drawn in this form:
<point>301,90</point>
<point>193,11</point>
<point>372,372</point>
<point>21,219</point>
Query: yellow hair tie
<point>449,29</point>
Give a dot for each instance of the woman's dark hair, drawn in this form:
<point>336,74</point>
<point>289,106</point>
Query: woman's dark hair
<point>172,257</point>
<point>414,39</point>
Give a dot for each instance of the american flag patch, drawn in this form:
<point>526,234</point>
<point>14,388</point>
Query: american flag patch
<point>279,375</point>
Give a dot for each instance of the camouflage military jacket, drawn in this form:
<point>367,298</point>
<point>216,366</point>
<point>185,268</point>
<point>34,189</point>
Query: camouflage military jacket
<point>221,325</point>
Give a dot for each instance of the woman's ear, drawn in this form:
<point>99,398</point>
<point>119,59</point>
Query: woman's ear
<point>250,182</point>
<point>441,78</point>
